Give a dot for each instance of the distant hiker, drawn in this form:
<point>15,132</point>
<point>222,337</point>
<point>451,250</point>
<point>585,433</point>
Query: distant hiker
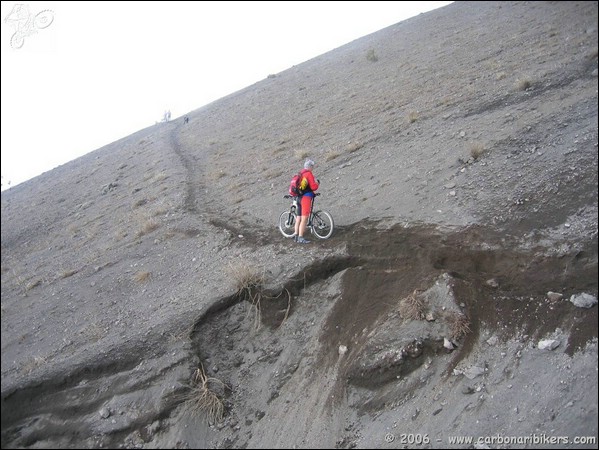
<point>186,120</point>
<point>309,185</point>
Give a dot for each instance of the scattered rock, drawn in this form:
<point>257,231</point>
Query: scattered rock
<point>548,344</point>
<point>492,283</point>
<point>492,340</point>
<point>583,300</point>
<point>473,372</point>
<point>554,296</point>
<point>104,413</point>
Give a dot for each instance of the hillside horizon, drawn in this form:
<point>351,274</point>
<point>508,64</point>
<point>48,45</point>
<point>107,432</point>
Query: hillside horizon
<point>134,97</point>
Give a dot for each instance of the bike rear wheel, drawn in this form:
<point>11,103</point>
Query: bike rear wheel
<point>287,224</point>
<point>322,224</point>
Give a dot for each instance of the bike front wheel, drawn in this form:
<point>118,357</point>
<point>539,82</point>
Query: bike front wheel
<point>43,19</point>
<point>287,224</point>
<point>322,224</point>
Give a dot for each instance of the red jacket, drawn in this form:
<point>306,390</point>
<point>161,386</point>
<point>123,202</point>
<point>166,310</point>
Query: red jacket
<point>312,183</point>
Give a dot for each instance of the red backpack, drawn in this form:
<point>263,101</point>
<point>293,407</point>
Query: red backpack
<point>294,186</point>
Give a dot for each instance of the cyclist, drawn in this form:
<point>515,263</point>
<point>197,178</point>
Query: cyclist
<point>305,201</point>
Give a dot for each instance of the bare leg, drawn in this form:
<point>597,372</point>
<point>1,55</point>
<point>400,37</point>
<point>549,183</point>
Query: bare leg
<point>303,223</point>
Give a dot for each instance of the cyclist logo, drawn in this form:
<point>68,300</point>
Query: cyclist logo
<point>26,24</point>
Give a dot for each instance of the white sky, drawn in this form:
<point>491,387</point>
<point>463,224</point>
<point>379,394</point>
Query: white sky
<point>101,71</point>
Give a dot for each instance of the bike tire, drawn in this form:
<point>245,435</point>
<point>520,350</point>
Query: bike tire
<point>322,225</point>
<point>287,224</point>
<point>43,19</point>
<point>17,40</point>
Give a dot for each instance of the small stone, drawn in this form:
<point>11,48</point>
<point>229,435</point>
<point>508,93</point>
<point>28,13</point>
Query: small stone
<point>583,300</point>
<point>554,296</point>
<point>492,340</point>
<point>548,344</point>
<point>492,283</point>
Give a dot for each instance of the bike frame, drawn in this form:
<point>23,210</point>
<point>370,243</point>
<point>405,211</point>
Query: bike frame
<point>294,203</point>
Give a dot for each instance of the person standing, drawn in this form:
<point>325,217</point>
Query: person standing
<point>308,185</point>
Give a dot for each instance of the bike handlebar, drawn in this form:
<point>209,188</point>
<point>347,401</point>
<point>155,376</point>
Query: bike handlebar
<point>316,194</point>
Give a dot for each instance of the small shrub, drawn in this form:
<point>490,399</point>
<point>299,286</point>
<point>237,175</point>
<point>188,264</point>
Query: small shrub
<point>302,153</point>
<point>148,226</point>
<point>142,276</point>
<point>159,210</point>
<point>275,173</point>
<point>331,155</point>
<point>140,202</point>
<point>354,146</point>
<point>371,55</point>
<point>523,84</point>
<point>217,174</point>
<point>33,284</point>
<point>68,273</point>
<point>412,117</point>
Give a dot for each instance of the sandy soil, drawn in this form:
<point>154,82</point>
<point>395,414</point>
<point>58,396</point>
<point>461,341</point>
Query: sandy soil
<point>457,153</point>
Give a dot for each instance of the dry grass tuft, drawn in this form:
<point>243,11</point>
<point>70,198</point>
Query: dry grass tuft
<point>413,307</point>
<point>459,325</point>
<point>275,173</point>
<point>354,146</point>
<point>141,277</point>
<point>413,117</point>
<point>68,273</point>
<point>523,84</point>
<point>476,149</point>
<point>331,155</point>
<point>147,227</point>
<point>33,284</point>
<point>203,397</point>
<point>246,276</point>
<point>302,154</point>
<point>248,281</point>
<point>217,174</point>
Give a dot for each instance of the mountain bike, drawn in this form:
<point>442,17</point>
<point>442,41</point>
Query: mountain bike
<point>320,223</point>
